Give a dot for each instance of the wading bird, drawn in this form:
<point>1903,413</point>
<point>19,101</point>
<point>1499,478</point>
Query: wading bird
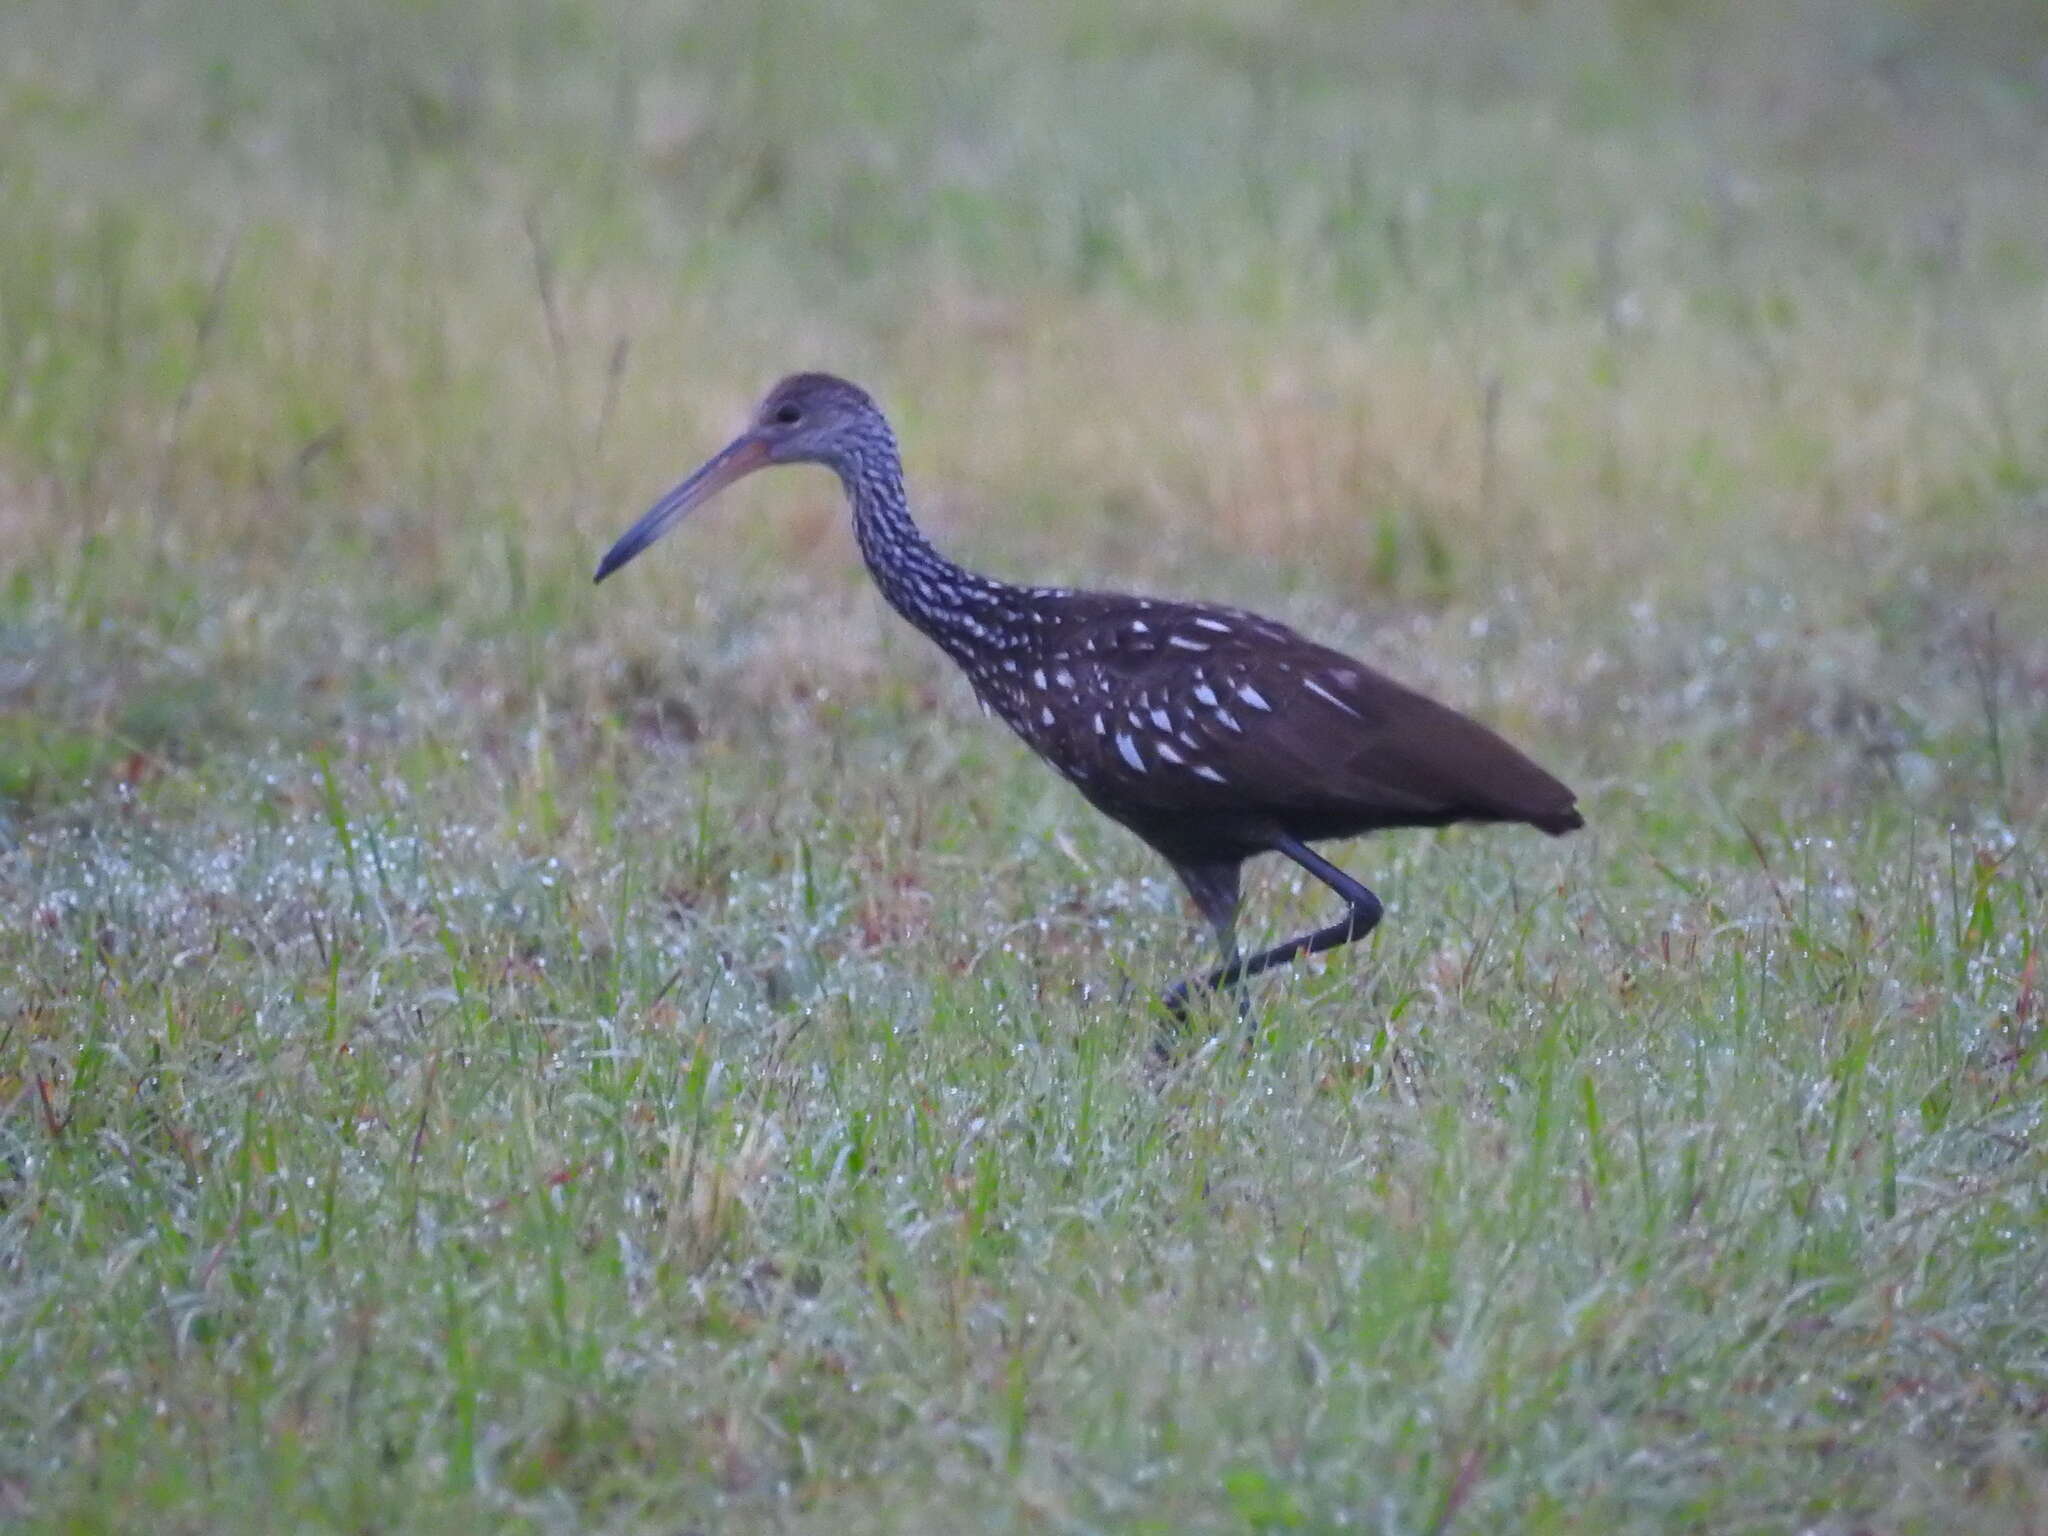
<point>1212,733</point>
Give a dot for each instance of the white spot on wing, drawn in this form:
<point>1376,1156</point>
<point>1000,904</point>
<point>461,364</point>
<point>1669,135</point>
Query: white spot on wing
<point>1162,719</point>
<point>1321,692</point>
<point>1140,627</point>
<point>1204,694</point>
<point>1253,697</point>
<point>1217,625</point>
<point>1185,643</point>
<point>1129,749</point>
<point>1230,720</point>
<point>1166,751</point>
<point>1038,678</point>
<point>1205,771</point>
<point>1045,716</point>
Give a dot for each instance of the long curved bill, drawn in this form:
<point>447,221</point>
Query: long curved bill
<point>742,456</point>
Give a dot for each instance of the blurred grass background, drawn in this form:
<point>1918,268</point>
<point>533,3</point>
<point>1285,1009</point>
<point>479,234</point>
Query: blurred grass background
<point>1665,381</point>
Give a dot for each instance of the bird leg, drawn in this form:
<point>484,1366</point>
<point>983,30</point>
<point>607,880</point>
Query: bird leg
<point>1215,889</point>
<point>1363,917</point>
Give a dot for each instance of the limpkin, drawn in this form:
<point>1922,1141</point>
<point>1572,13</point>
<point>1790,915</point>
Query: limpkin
<point>1212,733</point>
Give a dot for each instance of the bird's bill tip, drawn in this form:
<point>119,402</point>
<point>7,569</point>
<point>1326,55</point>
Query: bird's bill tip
<point>741,457</point>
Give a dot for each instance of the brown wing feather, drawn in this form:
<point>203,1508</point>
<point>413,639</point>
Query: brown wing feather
<point>1409,749</point>
<point>1215,709</point>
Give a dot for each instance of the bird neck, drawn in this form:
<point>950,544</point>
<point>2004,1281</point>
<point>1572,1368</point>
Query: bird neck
<point>954,606</point>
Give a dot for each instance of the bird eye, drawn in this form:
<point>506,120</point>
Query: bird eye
<point>788,415</point>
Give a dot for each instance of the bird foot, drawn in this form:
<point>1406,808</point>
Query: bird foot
<point>1177,999</point>
<point>1166,1036</point>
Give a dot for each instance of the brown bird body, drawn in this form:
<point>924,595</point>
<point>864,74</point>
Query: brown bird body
<point>1212,733</point>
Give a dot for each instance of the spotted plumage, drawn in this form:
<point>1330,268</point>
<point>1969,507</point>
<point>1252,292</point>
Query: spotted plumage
<point>1212,733</point>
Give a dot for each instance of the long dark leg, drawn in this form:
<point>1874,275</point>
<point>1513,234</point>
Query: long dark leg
<point>1214,888</point>
<point>1363,917</point>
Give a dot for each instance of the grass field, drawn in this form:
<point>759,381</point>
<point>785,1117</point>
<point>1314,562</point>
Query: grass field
<point>479,1051</point>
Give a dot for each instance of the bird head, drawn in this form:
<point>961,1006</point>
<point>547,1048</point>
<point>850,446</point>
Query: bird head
<point>808,418</point>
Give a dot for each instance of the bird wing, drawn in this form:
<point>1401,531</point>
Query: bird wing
<point>1222,708</point>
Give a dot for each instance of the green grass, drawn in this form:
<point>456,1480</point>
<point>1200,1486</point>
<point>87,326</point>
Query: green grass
<point>480,1052</point>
